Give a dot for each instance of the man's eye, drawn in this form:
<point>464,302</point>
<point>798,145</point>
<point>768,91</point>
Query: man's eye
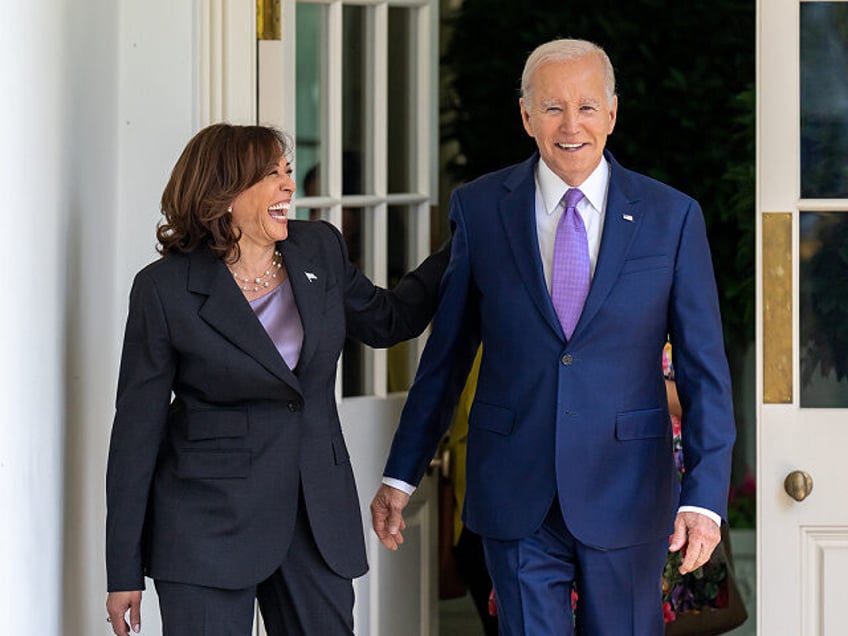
<point>553,109</point>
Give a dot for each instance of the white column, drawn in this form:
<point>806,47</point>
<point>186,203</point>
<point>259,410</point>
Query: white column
<point>32,280</point>
<point>98,98</point>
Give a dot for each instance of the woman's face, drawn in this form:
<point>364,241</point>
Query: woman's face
<point>260,212</point>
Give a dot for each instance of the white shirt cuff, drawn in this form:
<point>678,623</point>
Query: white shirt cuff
<point>703,511</point>
<point>400,485</point>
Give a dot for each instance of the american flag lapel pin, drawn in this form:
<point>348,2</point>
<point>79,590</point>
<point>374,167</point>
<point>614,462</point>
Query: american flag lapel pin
<point>627,217</point>
<point>310,276</point>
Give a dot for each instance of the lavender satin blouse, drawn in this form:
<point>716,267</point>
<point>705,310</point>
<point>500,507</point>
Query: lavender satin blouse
<point>278,313</point>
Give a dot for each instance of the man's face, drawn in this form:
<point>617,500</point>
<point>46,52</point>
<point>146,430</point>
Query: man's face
<point>566,111</point>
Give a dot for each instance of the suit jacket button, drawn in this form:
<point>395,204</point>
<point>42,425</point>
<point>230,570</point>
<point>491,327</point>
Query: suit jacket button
<point>567,359</point>
<point>294,406</point>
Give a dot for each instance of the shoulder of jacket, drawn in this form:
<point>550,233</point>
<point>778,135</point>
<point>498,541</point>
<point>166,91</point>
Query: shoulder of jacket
<point>165,265</point>
<point>646,186</point>
<point>302,232</point>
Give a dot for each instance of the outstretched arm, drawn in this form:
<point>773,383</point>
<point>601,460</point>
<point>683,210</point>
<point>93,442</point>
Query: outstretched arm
<point>380,317</point>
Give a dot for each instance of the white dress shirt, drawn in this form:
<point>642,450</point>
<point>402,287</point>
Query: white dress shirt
<point>550,207</point>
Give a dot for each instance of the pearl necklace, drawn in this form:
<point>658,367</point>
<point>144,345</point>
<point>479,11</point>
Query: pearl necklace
<point>260,282</point>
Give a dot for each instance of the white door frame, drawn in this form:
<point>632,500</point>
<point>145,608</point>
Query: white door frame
<point>802,547</point>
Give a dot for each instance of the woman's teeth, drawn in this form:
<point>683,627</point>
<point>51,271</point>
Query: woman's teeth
<point>279,210</point>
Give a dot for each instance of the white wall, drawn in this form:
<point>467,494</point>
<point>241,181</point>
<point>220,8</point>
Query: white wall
<point>98,99</point>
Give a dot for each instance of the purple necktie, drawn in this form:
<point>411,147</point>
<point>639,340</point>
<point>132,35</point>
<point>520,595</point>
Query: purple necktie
<point>570,275</point>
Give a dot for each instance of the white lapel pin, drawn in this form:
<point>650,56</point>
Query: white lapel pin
<point>310,276</point>
<point>627,217</point>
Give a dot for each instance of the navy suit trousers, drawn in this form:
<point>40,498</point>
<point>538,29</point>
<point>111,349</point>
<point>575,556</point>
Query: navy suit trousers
<point>619,592</point>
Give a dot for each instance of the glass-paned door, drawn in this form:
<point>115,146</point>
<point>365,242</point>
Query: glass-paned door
<point>353,83</point>
<point>802,341</point>
<point>364,102</point>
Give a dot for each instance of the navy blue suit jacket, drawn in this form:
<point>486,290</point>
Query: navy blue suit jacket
<point>585,419</point>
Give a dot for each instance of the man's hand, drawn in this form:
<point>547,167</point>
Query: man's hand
<point>117,604</point>
<point>699,534</point>
<point>386,515</point>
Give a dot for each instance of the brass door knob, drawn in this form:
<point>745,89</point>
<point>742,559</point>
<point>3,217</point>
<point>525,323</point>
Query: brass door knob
<point>441,462</point>
<point>798,485</point>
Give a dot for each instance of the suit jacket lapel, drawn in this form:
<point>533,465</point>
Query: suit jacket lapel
<point>227,311</point>
<point>517,211</point>
<point>308,282</point>
<point>621,220</point>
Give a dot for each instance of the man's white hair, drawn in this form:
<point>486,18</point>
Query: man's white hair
<point>561,51</point>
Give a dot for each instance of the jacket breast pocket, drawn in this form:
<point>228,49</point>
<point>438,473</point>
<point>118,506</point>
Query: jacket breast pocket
<point>645,263</point>
<point>213,464</point>
<point>642,424</point>
<point>490,417</point>
<point>215,424</point>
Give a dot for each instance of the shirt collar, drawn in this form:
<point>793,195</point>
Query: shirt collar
<point>552,188</point>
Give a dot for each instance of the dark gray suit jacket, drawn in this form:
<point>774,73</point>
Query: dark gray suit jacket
<point>214,435</point>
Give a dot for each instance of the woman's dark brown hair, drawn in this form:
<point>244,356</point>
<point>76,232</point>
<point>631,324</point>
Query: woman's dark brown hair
<point>219,162</point>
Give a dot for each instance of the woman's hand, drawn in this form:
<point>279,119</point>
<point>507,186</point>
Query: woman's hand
<point>117,604</point>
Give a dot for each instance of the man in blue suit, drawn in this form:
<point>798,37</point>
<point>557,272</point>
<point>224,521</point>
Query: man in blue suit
<point>570,473</point>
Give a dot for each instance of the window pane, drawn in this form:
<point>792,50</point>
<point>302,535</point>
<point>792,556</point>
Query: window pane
<point>401,94</point>
<point>824,100</point>
<point>355,356</point>
<point>824,309</point>
<point>403,357</point>
<point>309,214</point>
<point>357,71</point>
<point>309,62</point>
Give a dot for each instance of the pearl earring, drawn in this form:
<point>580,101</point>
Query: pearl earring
<point>230,210</point>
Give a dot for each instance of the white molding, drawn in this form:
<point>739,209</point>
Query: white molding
<point>227,83</point>
<point>824,554</point>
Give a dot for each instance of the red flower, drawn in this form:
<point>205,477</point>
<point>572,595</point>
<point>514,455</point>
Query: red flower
<point>668,613</point>
<point>676,426</point>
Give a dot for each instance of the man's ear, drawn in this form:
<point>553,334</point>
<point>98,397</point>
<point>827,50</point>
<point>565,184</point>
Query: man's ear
<point>525,116</point>
<point>613,113</point>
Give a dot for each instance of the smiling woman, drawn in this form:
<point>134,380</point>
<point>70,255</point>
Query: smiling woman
<point>228,476</point>
<point>260,213</point>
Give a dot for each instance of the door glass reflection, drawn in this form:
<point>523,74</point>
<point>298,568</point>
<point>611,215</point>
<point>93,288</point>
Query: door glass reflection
<point>823,307</point>
<point>403,357</point>
<point>357,72</point>
<point>824,100</point>
<point>355,356</point>
<point>401,87</point>
<point>309,62</point>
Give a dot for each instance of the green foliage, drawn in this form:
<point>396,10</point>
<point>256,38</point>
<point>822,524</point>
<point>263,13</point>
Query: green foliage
<point>685,73</point>
<point>696,591</point>
<point>742,512</point>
